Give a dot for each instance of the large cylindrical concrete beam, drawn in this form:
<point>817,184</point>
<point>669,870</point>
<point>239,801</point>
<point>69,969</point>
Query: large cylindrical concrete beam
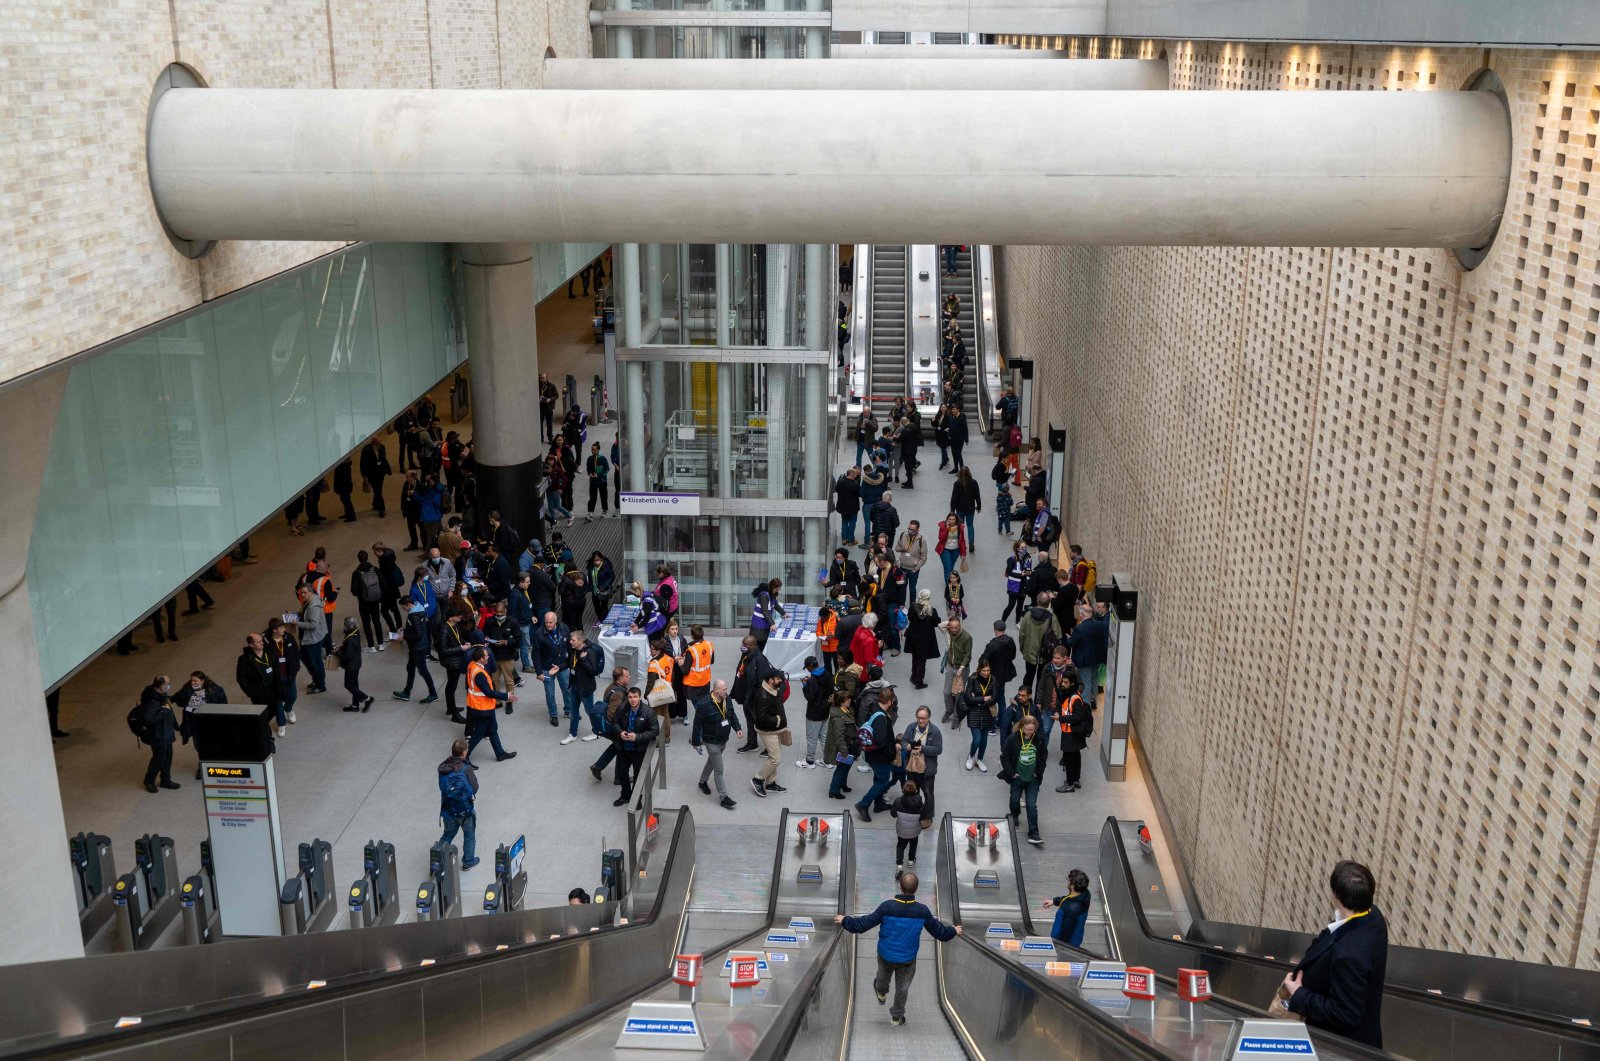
<point>941,52</point>
<point>859,74</point>
<point>1152,168</point>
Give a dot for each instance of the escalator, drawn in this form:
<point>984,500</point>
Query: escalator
<point>961,285</point>
<point>1437,1005</point>
<point>888,353</point>
<point>464,985</point>
<point>795,1010</point>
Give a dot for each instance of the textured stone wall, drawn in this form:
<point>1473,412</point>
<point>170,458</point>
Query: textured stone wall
<point>1359,488</point>
<point>82,254</point>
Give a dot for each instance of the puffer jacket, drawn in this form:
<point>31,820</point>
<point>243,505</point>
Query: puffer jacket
<point>900,922</point>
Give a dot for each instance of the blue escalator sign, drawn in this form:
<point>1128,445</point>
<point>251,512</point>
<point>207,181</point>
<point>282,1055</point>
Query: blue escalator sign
<point>636,1026</point>
<point>1289,1047</point>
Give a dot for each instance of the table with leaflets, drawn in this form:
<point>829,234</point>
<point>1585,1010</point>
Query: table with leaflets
<point>791,641</point>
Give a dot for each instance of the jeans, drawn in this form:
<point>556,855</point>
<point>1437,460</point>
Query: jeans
<point>286,705</point>
<point>902,984</point>
<point>525,643</point>
<point>583,702</point>
<point>311,654</point>
<point>972,531</point>
<point>949,558</point>
<point>949,251</point>
<point>1030,789</point>
<point>629,762</point>
<point>841,774</point>
<point>882,778</point>
<point>553,508</point>
<point>484,725</point>
<point>847,527</point>
<point>816,734</point>
<point>1003,524</point>
<point>713,768</point>
<point>911,585</point>
<point>563,680</point>
<point>1089,678</point>
<point>469,834</point>
<point>768,772</point>
<point>980,744</point>
<point>416,665</point>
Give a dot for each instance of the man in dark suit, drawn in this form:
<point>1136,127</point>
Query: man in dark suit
<point>1338,985</point>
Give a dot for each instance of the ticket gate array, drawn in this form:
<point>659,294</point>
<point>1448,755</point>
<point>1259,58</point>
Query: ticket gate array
<point>306,903</point>
<point>145,902</point>
<point>505,894</point>
<point>375,896</point>
<point>439,894</point>
<point>94,872</point>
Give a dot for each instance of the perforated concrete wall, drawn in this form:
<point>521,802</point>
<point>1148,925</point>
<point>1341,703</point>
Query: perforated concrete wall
<point>82,254</point>
<point>1359,489</point>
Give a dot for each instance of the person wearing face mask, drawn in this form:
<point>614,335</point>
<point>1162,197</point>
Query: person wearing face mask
<point>159,728</point>
<point>192,698</point>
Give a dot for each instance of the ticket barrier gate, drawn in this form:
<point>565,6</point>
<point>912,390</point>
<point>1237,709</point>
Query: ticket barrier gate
<point>306,903</point>
<point>197,910</point>
<point>95,873</point>
<point>613,877</point>
<point>374,896</point>
<point>510,884</point>
<point>146,901</point>
<point>439,895</point>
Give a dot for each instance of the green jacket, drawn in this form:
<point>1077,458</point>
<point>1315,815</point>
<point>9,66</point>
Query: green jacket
<point>1030,634</point>
<point>841,726</point>
<point>959,654</point>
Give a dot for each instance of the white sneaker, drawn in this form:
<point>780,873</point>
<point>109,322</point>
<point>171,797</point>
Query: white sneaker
<point>379,648</point>
<point>369,649</point>
<point>969,764</point>
<point>568,739</point>
<point>801,764</point>
<point>283,731</point>
<point>863,768</point>
<point>911,862</point>
<point>591,736</point>
<point>981,767</point>
<point>292,719</point>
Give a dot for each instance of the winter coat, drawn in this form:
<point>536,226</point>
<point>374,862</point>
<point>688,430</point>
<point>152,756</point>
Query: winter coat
<point>847,497</point>
<point>864,648</point>
<point>841,731</point>
<point>257,676</point>
<point>960,543</point>
<point>907,816</point>
<point>766,711</point>
<point>1030,633</point>
<point>1001,652</point>
<point>349,652</point>
<point>919,635</point>
<point>932,747</point>
<point>977,700</point>
<point>965,498</point>
<point>1089,640</point>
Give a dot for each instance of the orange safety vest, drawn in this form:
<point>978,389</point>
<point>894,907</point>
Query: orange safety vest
<point>699,674</point>
<point>1067,710</point>
<point>322,585</point>
<point>828,633</point>
<point>661,667</point>
<point>477,701</point>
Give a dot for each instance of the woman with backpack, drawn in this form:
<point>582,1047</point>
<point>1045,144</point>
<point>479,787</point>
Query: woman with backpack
<point>981,703</point>
<point>922,619</point>
<point>841,748</point>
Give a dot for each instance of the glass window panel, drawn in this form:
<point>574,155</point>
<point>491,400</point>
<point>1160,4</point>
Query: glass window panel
<point>137,458</point>
<point>330,317</point>
<point>244,369</point>
<point>285,330</point>
<point>361,361</point>
<point>201,473</point>
<point>394,314</point>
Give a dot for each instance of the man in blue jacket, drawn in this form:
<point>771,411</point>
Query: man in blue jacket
<point>1088,643</point>
<point>899,922</point>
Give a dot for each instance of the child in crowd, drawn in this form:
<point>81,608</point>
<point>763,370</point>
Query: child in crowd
<point>953,593</point>
<point>1002,508</point>
<point>907,809</point>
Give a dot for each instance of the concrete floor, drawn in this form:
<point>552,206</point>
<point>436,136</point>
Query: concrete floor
<point>348,778</point>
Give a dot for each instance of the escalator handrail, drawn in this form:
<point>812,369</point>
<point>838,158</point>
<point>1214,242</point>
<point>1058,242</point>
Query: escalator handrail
<point>775,1044</point>
<point>238,1010</point>
<point>1493,1011</point>
<point>986,336</point>
<point>1109,1030</point>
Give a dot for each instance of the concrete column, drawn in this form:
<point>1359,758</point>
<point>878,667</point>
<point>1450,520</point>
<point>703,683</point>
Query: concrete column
<point>622,37</point>
<point>818,315</point>
<point>1355,169</point>
<point>503,348</point>
<point>632,398</point>
<point>814,37</point>
<point>725,391</point>
<point>38,917</point>
<point>652,292</point>
<point>861,75</point>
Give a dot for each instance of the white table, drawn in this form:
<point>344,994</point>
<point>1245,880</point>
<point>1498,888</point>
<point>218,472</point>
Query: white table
<point>791,641</point>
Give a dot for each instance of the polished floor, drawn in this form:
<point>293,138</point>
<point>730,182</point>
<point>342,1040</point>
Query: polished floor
<point>348,778</point>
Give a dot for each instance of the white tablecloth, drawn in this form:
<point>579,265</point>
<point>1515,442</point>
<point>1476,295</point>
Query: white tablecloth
<point>791,641</point>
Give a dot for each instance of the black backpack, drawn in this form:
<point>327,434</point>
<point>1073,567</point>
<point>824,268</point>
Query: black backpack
<point>367,587</point>
<point>142,721</point>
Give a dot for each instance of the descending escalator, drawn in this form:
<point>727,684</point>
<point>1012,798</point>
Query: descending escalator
<point>961,285</point>
<point>1437,1005</point>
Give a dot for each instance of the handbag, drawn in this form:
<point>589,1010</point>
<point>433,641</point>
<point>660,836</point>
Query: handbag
<point>958,684</point>
<point>965,567</point>
<point>916,763</point>
<point>661,695</point>
<point>786,738</point>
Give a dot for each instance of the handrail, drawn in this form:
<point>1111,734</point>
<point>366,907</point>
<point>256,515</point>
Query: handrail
<point>468,956</point>
<point>860,371</point>
<point>1419,1010</point>
<point>987,360</point>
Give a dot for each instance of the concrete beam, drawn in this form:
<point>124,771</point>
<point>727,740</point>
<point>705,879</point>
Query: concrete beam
<point>914,74</point>
<point>944,53</point>
<point>1154,168</point>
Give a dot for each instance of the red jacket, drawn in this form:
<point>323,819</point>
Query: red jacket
<point>961,537</point>
<point>864,648</point>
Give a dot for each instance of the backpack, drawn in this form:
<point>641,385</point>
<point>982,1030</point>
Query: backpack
<point>455,795</point>
<point>141,722</point>
<point>866,736</point>
<point>1052,531</point>
<point>368,588</point>
<point>1090,576</point>
<point>398,577</point>
<point>1013,438</point>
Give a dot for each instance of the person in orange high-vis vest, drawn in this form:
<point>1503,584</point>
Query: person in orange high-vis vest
<point>1077,722</point>
<point>828,637</point>
<point>700,655</point>
<point>660,673</point>
<point>482,701</point>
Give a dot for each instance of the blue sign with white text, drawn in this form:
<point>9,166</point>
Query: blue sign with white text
<point>1254,1045</point>
<point>637,1026</point>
